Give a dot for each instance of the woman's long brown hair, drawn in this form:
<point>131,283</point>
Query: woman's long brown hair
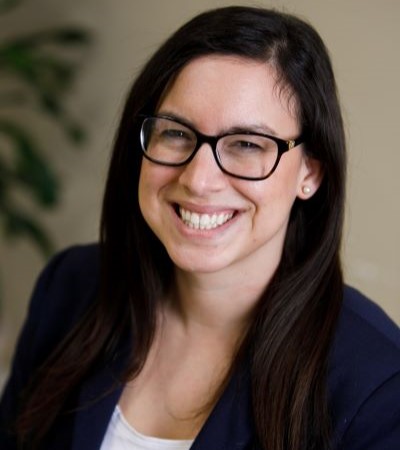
<point>290,338</point>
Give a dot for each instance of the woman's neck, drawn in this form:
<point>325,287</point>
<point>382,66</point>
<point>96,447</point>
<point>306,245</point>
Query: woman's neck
<point>214,303</point>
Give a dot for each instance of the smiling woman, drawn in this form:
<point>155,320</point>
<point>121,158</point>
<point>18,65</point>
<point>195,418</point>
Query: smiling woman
<point>213,315</point>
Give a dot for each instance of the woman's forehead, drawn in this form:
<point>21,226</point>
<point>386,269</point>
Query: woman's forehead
<point>228,89</point>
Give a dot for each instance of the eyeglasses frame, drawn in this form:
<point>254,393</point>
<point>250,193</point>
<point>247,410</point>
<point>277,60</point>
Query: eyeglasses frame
<point>283,146</point>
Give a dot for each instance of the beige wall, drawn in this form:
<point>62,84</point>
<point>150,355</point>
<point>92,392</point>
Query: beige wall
<point>363,38</point>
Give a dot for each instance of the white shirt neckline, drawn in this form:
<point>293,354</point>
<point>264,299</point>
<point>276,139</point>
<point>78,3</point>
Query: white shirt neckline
<point>120,435</point>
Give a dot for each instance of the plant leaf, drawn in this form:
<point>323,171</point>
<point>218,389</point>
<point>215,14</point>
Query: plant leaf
<point>30,169</point>
<point>18,224</point>
<point>5,5</point>
<point>64,37</point>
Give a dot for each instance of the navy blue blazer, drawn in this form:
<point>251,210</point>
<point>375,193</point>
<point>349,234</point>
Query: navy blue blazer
<point>363,381</point>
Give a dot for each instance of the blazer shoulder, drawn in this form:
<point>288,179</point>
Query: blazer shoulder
<point>63,292</point>
<point>367,341</point>
<point>365,360</point>
<point>369,317</point>
<point>74,264</point>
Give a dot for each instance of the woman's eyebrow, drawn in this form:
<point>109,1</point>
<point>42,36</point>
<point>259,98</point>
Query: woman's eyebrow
<point>177,117</point>
<point>245,128</point>
<point>253,128</point>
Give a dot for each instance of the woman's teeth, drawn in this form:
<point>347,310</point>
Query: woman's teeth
<point>203,221</point>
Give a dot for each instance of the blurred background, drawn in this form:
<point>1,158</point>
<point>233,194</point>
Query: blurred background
<point>64,70</point>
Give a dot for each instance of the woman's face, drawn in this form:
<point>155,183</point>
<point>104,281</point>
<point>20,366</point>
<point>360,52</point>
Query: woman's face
<point>216,94</point>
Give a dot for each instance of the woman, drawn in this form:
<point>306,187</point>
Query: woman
<point>213,314</point>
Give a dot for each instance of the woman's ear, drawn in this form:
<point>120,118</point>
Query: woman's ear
<point>311,177</point>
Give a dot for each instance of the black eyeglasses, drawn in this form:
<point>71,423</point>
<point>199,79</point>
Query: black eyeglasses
<point>245,155</point>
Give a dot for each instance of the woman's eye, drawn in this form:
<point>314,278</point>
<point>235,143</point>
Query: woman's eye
<point>243,145</point>
<point>176,138</point>
<point>174,134</point>
<point>247,144</point>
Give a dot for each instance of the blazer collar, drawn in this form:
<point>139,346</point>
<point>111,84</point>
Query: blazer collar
<point>229,427</point>
<point>98,397</point>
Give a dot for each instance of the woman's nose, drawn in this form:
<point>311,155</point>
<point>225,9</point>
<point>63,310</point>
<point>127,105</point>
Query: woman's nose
<point>202,175</point>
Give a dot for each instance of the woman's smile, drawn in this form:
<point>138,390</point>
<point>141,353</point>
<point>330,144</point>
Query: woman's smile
<point>204,221</point>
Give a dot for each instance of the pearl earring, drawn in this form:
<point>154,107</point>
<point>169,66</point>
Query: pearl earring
<point>306,190</point>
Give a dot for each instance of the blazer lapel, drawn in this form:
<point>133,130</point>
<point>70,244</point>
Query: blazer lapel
<point>98,397</point>
<point>230,426</point>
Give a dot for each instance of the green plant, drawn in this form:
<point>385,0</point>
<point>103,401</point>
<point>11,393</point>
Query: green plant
<point>8,4</point>
<point>36,70</point>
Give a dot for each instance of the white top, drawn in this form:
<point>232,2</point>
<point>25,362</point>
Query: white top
<point>120,435</point>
